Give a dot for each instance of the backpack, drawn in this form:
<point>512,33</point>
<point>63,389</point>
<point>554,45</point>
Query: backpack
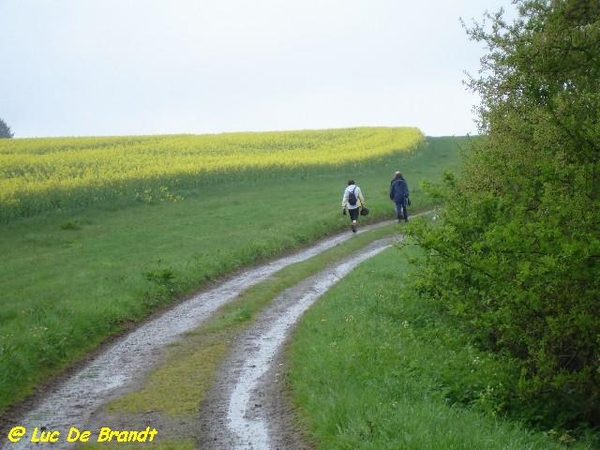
<point>352,197</point>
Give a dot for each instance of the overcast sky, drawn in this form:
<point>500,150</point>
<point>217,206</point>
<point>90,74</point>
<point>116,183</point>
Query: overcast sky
<point>129,67</point>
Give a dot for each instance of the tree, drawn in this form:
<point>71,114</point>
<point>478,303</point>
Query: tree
<point>517,255</point>
<point>5,131</point>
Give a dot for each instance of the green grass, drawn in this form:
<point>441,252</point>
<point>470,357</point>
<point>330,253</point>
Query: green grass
<point>373,366</point>
<point>72,278</point>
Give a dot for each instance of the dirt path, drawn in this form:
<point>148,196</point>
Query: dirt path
<point>245,409</point>
<point>241,388</point>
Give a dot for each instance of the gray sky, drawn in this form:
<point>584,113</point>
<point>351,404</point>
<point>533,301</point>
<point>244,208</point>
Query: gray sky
<point>128,67</point>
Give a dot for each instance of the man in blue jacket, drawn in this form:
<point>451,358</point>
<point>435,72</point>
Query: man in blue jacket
<point>399,195</point>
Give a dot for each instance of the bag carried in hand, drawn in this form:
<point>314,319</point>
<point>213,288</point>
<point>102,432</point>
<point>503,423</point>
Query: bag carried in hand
<point>352,197</point>
<point>364,211</point>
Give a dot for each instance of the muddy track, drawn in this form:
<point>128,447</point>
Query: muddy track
<point>244,408</point>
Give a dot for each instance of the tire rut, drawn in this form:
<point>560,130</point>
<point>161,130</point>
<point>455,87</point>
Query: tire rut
<point>247,408</point>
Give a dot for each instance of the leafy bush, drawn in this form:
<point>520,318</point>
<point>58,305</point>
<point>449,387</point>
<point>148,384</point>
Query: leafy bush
<point>517,252</point>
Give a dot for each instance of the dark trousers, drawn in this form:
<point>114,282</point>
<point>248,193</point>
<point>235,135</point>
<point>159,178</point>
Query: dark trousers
<point>401,210</point>
<point>354,213</point>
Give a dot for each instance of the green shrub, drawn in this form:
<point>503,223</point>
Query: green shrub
<point>516,255</point>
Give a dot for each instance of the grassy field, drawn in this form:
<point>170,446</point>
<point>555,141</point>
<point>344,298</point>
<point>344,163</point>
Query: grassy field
<point>372,366</point>
<point>38,175</point>
<point>74,276</point>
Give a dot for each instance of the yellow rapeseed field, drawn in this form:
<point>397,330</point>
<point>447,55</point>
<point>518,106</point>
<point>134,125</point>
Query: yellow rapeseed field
<point>47,173</point>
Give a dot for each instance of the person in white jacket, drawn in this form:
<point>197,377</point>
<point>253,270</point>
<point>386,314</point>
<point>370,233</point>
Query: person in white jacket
<point>352,202</point>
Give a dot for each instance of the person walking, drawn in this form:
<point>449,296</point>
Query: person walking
<point>352,202</point>
<point>400,196</point>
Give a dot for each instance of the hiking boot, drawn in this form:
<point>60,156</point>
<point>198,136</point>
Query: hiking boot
<point>353,226</point>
